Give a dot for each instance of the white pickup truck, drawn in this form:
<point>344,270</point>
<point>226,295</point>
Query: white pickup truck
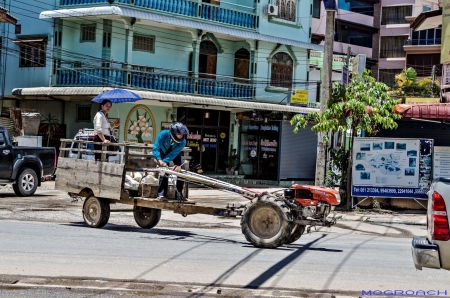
<point>434,250</point>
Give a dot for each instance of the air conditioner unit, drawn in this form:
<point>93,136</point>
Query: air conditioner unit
<point>271,10</point>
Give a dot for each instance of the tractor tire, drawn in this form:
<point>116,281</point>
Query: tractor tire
<point>96,212</point>
<point>146,218</point>
<point>297,232</point>
<point>266,222</point>
<point>26,183</point>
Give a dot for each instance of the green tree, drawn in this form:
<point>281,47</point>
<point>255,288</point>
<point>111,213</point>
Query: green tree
<point>363,105</point>
<point>407,85</point>
<point>50,125</point>
<point>406,78</point>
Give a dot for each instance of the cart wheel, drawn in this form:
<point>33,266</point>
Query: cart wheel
<point>96,212</point>
<point>146,218</point>
<point>266,222</point>
<point>296,233</point>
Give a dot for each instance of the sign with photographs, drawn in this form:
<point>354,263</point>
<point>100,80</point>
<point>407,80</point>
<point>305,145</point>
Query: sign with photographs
<point>388,167</point>
<point>441,162</point>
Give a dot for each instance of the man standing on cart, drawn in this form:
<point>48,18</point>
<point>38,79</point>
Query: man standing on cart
<point>168,146</point>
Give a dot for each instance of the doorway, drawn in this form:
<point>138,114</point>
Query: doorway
<point>207,63</point>
<point>208,137</point>
<point>259,147</point>
<point>241,65</point>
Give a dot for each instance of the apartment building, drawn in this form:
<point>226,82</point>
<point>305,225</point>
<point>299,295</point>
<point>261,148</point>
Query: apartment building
<point>356,26</point>
<point>401,46</point>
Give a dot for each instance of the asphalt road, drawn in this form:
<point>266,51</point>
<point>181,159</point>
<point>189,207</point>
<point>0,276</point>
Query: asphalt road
<point>327,262</point>
<point>47,251</point>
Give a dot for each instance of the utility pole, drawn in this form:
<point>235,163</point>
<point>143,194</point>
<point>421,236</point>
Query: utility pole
<point>433,73</point>
<point>345,70</point>
<point>330,7</point>
<point>349,52</point>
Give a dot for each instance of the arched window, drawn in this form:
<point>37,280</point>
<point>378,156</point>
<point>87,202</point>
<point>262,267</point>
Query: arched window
<point>287,10</point>
<point>207,63</point>
<point>281,70</point>
<point>241,64</point>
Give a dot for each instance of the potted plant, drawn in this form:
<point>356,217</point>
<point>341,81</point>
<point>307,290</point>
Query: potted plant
<point>51,126</point>
<point>232,162</point>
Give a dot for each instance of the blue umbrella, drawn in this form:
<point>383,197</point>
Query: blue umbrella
<point>117,96</point>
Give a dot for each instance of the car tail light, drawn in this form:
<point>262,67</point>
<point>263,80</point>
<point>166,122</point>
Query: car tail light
<point>439,222</point>
<point>54,161</point>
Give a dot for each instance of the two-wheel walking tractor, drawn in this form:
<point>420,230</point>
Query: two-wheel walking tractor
<point>268,220</point>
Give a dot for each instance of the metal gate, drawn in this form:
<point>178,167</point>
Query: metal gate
<point>298,153</point>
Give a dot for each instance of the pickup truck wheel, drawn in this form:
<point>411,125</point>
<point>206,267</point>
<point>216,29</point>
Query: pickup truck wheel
<point>297,232</point>
<point>146,218</point>
<point>96,212</point>
<point>266,222</point>
<point>26,183</point>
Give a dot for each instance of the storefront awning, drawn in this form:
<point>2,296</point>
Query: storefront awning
<point>424,111</point>
<point>5,17</point>
<point>146,15</point>
<point>29,40</point>
<point>427,20</point>
<point>87,93</point>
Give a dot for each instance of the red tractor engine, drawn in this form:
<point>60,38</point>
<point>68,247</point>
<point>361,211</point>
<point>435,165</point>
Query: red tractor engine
<point>312,201</point>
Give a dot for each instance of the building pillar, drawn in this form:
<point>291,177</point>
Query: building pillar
<point>376,39</point>
<point>129,32</point>
<point>129,45</point>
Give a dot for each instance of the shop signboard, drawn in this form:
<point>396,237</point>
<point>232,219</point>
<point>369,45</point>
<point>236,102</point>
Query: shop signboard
<point>210,140</point>
<point>299,97</point>
<point>441,162</point>
<point>445,76</point>
<point>391,167</point>
<point>419,100</point>
<point>193,140</point>
<point>358,65</point>
<point>345,74</point>
<point>316,59</point>
<point>445,44</point>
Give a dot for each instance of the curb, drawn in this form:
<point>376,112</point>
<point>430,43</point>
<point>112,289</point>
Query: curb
<point>383,220</point>
<point>398,221</point>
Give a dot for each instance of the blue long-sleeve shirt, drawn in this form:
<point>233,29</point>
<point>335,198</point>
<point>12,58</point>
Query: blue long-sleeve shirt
<point>162,145</point>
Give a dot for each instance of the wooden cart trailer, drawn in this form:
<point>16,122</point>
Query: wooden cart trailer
<point>268,220</point>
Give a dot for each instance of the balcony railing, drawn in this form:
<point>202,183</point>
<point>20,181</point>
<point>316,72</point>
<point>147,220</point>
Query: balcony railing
<point>159,80</point>
<point>394,20</point>
<point>192,9</point>
<point>422,42</point>
<point>392,53</point>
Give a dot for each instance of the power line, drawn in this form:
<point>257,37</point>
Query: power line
<point>94,62</point>
<point>99,59</point>
<point>260,50</point>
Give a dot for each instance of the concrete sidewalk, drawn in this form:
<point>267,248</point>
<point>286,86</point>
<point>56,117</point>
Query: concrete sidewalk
<point>218,198</point>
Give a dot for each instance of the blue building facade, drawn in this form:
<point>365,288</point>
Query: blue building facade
<point>237,61</point>
<point>19,70</point>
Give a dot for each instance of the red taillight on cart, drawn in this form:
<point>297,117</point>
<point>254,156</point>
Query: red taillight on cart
<point>439,222</point>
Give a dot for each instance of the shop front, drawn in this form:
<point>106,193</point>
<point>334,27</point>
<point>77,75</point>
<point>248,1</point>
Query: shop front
<point>243,138</point>
<point>208,137</point>
<point>259,149</point>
